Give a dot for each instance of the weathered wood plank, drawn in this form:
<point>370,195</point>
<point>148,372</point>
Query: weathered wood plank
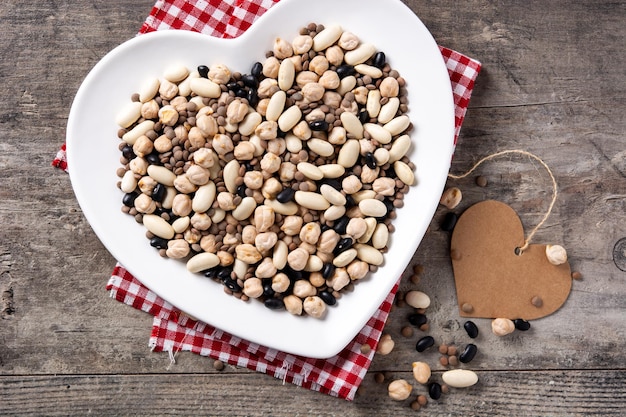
<point>554,393</point>
<point>552,84</point>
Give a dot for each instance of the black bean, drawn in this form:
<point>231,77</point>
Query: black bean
<point>286,195</point>
<point>350,201</point>
<point>333,182</point>
<point>292,273</point>
<point>249,166</point>
<point>253,97</point>
<point>449,221</point>
<point>274,303</point>
<point>380,59</point>
<point>267,289</point>
<point>390,172</point>
<point>224,274</point>
<point>328,270</point>
<point>250,81</point>
<point>256,70</point>
<point>417,319</point>
<point>341,224</point>
<point>129,199</point>
<point>468,353</point>
<point>241,190</point>
<point>471,329</point>
<point>370,161</point>
<point>242,93</point>
<point>232,285</point>
<point>434,390</point>
<point>345,70</point>
<point>364,116</point>
<point>318,125</point>
<point>153,158</point>
<point>233,86</point>
<point>128,153</point>
<point>327,297</point>
<point>212,272</point>
<point>521,324</point>
<point>158,192</point>
<point>203,70</point>
<point>424,343</point>
<point>343,245</point>
<point>158,242</point>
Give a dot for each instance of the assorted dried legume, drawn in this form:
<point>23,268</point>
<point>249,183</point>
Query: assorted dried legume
<point>290,174</point>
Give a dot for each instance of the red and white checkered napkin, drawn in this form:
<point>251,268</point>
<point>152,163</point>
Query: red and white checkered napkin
<point>172,330</point>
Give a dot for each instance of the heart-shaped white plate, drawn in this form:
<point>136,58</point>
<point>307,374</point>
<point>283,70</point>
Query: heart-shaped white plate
<point>93,158</point>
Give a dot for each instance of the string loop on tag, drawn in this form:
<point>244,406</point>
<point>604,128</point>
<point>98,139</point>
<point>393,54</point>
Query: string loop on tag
<point>520,250</point>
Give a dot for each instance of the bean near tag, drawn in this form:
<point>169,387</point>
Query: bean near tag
<point>491,279</point>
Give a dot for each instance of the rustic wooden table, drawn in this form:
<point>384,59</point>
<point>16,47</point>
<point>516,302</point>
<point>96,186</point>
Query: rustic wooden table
<point>553,83</point>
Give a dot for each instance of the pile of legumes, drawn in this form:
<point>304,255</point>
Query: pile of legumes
<point>281,183</point>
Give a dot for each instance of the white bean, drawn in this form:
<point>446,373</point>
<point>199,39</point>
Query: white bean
<point>372,207</point>
<point>332,195</point>
<point>202,261</point>
<point>399,148</point>
<point>231,173</point>
<point>349,153</point>
<point>378,133</point>
<point>332,170</point>
<point>388,110</point>
<point>320,147</point>
<point>347,84</point>
<point>345,257</point>
<point>369,254</point>
<point>397,125</point>
<point>289,118</point>
<point>286,74</point>
<point>205,88</point>
<point>158,226</point>
<point>129,114</point>
<point>403,172</point>
<point>244,209</point>
<point>149,89</point>
<point>310,171</point>
<point>460,378</point>
<point>334,212</point>
<point>176,73</point>
<point>129,182</point>
<point>288,209</point>
<point>380,237</point>
<point>161,175</point>
<point>352,124</point>
<point>373,103</point>
<point>311,200</point>
<point>204,197</point>
<point>368,70</point>
<point>181,224</point>
<point>279,257</point>
<point>276,106</point>
<point>250,123</point>
<point>327,37</point>
<point>417,299</point>
<point>132,135</point>
<point>359,55</point>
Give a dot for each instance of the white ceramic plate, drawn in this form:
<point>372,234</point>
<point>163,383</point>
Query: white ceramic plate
<point>94,157</point>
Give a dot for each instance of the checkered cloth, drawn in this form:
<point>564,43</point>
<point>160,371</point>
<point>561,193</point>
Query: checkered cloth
<point>172,330</point>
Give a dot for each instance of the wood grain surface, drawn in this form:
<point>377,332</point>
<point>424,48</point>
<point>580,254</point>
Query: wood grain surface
<point>553,83</point>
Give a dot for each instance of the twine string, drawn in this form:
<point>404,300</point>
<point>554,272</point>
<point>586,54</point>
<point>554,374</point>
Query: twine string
<point>543,164</point>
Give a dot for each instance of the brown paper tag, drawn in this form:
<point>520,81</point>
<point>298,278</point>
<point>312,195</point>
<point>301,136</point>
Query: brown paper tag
<point>495,281</point>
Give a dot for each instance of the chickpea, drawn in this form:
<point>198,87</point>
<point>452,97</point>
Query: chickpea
<point>267,130</point>
<point>280,282</point>
<point>271,67</point>
<point>226,258</point>
<point>265,269</point>
<point>236,111</point>
<point>265,241</point>
<point>143,146</point>
<point>303,288</point>
<point>302,44</point>
<point>358,269</point>
<point>399,389</point>
<point>222,144</point>
<point>314,306</point>
<point>219,74</point>
<point>271,187</point>
<point>248,234</point>
<point>253,179</point>
<point>168,115</point>
<point>556,254</point>
<point>310,233</point>
<point>293,304</point>
<point>201,221</point>
<point>385,345</point>
<point>177,249</point>
<point>384,186</point>
<point>144,204</point>
<point>204,157</point>
<point>198,175</point>
<point>253,287</point>
<point>282,49</point>
<point>502,327</point>
<point>327,241</point>
<point>351,184</point>
<point>451,198</point>
<point>339,279</point>
<point>181,205</point>
<point>292,225</point>
<point>207,125</point>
